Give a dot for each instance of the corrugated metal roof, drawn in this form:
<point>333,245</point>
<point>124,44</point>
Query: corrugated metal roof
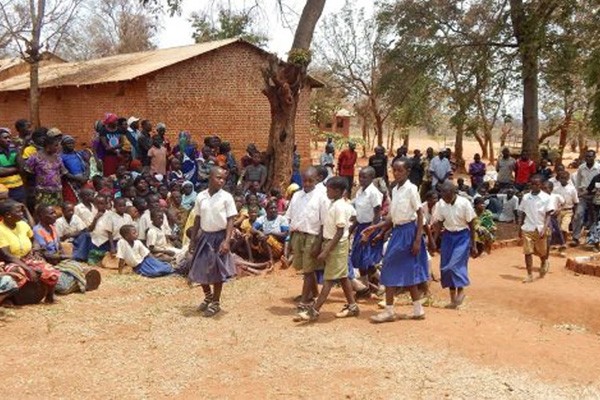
<point>118,68</point>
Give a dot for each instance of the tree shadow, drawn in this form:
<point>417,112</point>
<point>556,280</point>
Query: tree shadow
<point>511,277</point>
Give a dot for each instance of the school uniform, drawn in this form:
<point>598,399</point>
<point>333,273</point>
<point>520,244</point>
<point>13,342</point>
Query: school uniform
<point>306,214</point>
<point>207,265</point>
<point>145,222</point>
<point>400,267</point>
<point>366,255</point>
<point>535,208</point>
<point>64,227</point>
<point>86,214</point>
<point>571,198</point>
<point>509,206</point>
<point>138,257</point>
<point>336,264</point>
<point>157,238</point>
<point>94,246</point>
<point>456,241</point>
<point>556,236</point>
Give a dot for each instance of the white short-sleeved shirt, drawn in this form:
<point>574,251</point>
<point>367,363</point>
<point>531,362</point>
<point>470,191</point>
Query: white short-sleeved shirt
<point>118,221</point>
<point>427,213</point>
<point>214,210</point>
<point>338,216</point>
<point>557,202</point>
<point>307,211</point>
<point>110,222</point>
<point>535,208</point>
<point>508,208</point>
<point>568,193</point>
<point>132,255</point>
<point>157,238</point>
<point>86,214</point>
<point>68,228</point>
<point>279,225</point>
<point>145,222</point>
<point>455,217</point>
<point>364,203</point>
<point>405,203</point>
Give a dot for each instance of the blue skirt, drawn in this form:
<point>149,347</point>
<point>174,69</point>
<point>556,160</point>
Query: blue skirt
<point>82,245</point>
<point>400,267</point>
<point>153,268</point>
<point>454,252</point>
<point>365,255</point>
<point>207,265</point>
<point>556,235</point>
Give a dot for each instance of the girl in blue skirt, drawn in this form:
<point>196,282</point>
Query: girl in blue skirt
<point>455,215</point>
<point>367,202</point>
<point>405,260</point>
<point>133,253</point>
<point>212,262</point>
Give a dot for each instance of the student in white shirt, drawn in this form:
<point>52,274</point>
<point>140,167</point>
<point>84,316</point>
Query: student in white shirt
<point>86,210</point>
<point>535,209</point>
<point>91,246</point>
<point>455,215</point>
<point>334,253</point>
<point>69,226</point>
<point>556,236</point>
<point>583,177</point>
<point>306,214</point>
<point>132,252</point>
<point>405,262</point>
<point>212,263</point>
<point>510,207</point>
<point>567,190</point>
<point>156,238</point>
<point>367,203</point>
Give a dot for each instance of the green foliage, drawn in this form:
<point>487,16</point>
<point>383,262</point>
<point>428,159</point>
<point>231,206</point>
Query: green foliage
<point>339,140</point>
<point>229,24</point>
<point>301,57</point>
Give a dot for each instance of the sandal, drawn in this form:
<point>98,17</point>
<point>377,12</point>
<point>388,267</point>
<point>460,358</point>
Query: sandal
<point>204,305</point>
<point>212,309</point>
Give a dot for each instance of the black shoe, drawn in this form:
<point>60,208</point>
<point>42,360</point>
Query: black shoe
<point>204,305</point>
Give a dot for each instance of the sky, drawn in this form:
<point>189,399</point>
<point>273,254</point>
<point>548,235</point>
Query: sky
<point>177,30</point>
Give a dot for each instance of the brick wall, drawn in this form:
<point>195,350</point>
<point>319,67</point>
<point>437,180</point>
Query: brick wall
<point>216,93</point>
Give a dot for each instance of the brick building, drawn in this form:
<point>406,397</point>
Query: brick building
<point>208,88</point>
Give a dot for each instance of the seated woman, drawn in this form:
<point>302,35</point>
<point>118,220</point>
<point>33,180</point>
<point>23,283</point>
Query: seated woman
<point>35,278</point>
<point>242,235</point>
<point>485,227</point>
<point>268,235</point>
<point>74,277</point>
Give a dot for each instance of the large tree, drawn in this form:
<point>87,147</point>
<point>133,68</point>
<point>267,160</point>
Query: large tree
<point>36,26</point>
<point>229,23</point>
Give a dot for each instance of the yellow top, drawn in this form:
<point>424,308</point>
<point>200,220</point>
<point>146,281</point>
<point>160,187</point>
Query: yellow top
<point>17,240</point>
<point>29,151</point>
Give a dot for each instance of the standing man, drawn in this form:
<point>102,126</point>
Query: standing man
<point>505,167</point>
<point>23,128</point>
<point>145,142</point>
<point>346,163</point>
<point>584,175</point>
<point>426,184</point>
<point>379,163</point>
<point>524,170</point>
<point>417,169</point>
<point>327,159</point>
<point>133,135</point>
<point>440,169</point>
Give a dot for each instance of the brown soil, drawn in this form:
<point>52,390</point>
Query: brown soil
<point>140,338</point>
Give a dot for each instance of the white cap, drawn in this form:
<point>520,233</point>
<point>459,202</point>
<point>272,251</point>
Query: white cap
<point>131,120</point>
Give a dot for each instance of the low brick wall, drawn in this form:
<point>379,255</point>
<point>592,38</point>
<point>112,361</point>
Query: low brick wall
<point>584,265</point>
<point>501,244</point>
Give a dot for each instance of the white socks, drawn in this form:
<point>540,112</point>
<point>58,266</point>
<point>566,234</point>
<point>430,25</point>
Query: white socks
<point>418,309</point>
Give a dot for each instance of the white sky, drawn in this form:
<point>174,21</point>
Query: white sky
<point>177,31</point>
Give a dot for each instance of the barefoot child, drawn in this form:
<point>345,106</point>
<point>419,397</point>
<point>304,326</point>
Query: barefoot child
<point>132,253</point>
<point>456,216</point>
<point>405,262</point>
<point>535,209</point>
<point>212,262</point>
<point>334,253</point>
<point>367,202</point>
<point>306,214</point>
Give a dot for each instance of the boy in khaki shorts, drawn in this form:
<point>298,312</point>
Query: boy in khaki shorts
<point>535,209</point>
<point>306,213</point>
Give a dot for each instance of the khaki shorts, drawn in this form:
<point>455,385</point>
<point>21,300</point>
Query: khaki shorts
<point>533,244</point>
<point>301,247</point>
<point>564,219</point>
<point>336,265</point>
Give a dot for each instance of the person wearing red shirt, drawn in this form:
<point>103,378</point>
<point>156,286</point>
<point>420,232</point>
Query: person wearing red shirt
<point>525,169</point>
<point>346,163</point>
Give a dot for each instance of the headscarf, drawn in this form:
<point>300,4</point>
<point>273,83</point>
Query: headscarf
<point>184,141</point>
<point>188,200</point>
<point>109,118</point>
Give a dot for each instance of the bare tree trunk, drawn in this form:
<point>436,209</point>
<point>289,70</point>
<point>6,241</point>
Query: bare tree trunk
<point>34,94</point>
<point>406,137</point>
<point>492,156</point>
<point>391,138</point>
<point>37,12</point>
<point>458,147</point>
<point>562,138</point>
<point>365,136</point>
<point>482,144</point>
<point>283,85</point>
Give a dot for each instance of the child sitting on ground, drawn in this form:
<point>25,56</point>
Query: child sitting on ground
<point>132,253</point>
<point>268,235</point>
<point>69,226</point>
<point>86,210</point>
<point>156,239</point>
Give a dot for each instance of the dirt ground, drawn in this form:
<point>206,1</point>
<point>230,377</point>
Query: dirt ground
<point>140,338</point>
<point>136,338</point>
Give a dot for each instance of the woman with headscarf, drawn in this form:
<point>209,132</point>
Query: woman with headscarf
<point>188,195</point>
<point>112,142</point>
<point>186,151</point>
<point>77,170</point>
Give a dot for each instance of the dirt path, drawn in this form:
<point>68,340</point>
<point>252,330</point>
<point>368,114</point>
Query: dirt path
<point>137,338</point>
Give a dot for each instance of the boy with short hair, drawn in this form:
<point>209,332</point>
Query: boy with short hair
<point>535,209</point>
